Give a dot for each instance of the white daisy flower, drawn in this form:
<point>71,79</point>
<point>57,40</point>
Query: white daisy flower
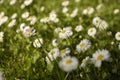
<point>53,54</point>
<point>38,42</point>
<point>42,8</point>
<point>2,14</point>
<point>79,28</point>
<point>25,15</point>
<point>12,23</point>
<point>1,76</point>
<point>97,21</point>
<point>57,30</point>
<point>22,26</point>
<point>64,10</point>
<point>92,32</point>
<point>74,13</point>
<point>117,36</point>
<point>68,63</point>
<point>45,20</point>
<point>27,31</point>
<point>14,16</point>
<point>55,42</point>
<point>3,20</point>
<point>85,61</point>
<point>83,46</point>
<point>27,2</point>
<point>12,2</point>
<point>99,56</point>
<point>65,3</point>
<point>65,32</point>
<point>64,52</point>
<point>22,6</point>
<point>1,36</point>
<point>88,11</point>
<point>32,19</point>
<point>99,7</point>
<point>116,11</point>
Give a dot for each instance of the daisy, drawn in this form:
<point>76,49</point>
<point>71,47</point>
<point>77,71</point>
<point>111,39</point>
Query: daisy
<point>53,54</point>
<point>12,23</point>
<point>3,19</point>
<point>27,2</point>
<point>45,20</point>
<point>88,11</point>
<point>1,36</point>
<point>97,21</point>
<point>65,3</point>
<point>79,28</point>
<point>25,15</point>
<point>65,32</point>
<point>117,36</point>
<point>92,32</point>
<point>99,7</point>
<point>99,56</point>
<point>68,63</point>
<point>22,26</point>
<point>14,16</point>
<point>27,31</point>
<point>64,52</point>
<point>103,25</point>
<point>83,46</point>
<point>12,2</point>
<point>64,10</point>
<point>85,62</point>
<point>38,42</point>
<point>32,19</point>
<point>74,13</point>
<point>116,11</point>
<point>53,16</point>
<point>55,42</point>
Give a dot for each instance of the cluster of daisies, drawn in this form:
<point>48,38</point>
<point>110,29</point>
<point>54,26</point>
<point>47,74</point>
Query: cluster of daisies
<point>66,62</point>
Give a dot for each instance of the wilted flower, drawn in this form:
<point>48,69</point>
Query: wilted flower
<point>68,63</point>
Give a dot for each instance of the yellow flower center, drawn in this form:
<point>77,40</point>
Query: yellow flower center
<point>63,31</point>
<point>63,51</point>
<point>37,42</point>
<point>53,52</point>
<point>91,30</point>
<point>82,44</point>
<point>68,62</point>
<point>84,61</point>
<point>100,57</point>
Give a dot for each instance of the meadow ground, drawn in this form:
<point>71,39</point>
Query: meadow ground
<point>59,39</point>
